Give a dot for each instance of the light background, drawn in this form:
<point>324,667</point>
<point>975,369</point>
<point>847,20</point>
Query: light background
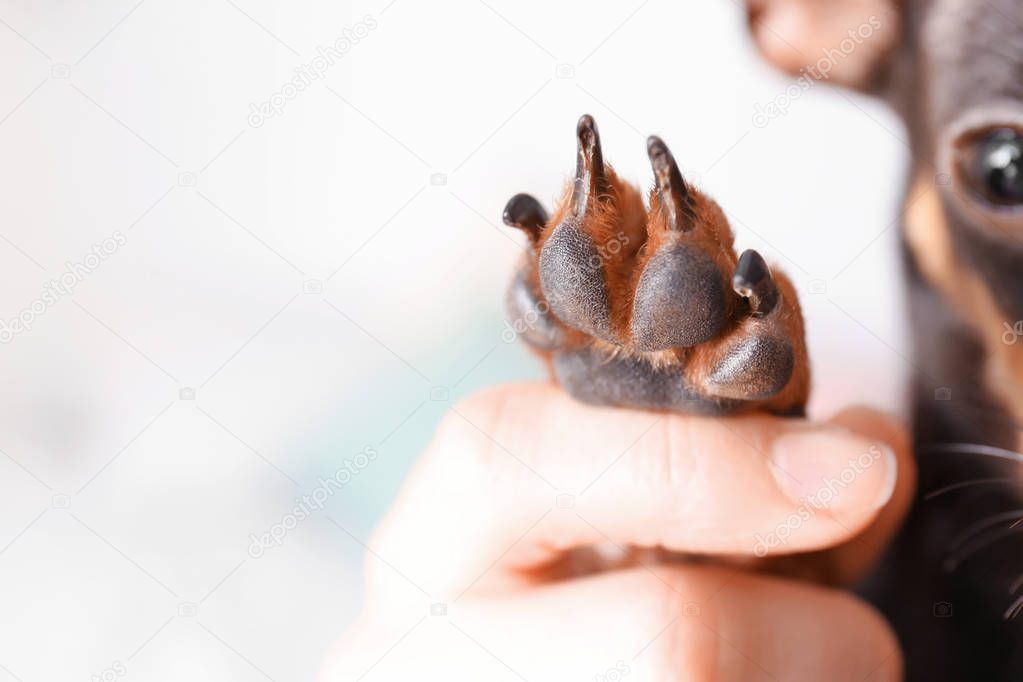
<point>125,511</point>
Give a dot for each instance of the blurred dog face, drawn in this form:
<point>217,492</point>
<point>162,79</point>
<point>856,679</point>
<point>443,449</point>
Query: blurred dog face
<point>971,80</point>
<point>954,69</point>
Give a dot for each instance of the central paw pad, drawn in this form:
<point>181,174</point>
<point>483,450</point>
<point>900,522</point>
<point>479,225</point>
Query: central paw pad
<point>651,308</point>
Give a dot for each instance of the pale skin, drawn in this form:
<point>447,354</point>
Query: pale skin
<point>519,478</point>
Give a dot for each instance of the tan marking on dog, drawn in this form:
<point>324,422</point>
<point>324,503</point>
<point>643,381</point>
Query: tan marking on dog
<point>929,239</point>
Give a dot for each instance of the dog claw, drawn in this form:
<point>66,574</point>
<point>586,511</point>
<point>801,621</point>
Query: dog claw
<point>590,180</point>
<point>527,214</point>
<point>672,191</point>
<point>572,265</point>
<point>680,297</point>
<point>753,281</point>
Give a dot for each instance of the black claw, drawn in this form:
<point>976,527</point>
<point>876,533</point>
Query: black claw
<point>753,280</point>
<point>671,188</point>
<point>525,212</point>
<point>589,165</point>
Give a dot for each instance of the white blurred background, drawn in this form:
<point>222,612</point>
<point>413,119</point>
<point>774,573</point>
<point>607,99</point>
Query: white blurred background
<point>274,299</point>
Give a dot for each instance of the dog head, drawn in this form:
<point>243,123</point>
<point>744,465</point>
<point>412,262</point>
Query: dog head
<point>954,70</point>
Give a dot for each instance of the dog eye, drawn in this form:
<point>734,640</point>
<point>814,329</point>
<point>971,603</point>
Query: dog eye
<point>996,167</point>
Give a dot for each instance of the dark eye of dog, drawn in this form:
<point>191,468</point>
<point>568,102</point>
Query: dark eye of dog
<point>998,166</point>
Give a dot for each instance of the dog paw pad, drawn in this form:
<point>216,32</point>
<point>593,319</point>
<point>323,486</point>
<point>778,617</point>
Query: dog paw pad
<point>650,308</point>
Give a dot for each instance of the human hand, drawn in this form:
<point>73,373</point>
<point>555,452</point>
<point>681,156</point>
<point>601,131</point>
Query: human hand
<point>539,538</point>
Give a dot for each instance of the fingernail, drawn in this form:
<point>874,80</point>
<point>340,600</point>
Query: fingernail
<point>834,469</point>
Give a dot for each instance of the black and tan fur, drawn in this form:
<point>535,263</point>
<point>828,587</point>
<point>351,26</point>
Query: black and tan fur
<point>653,309</point>
<point>952,583</point>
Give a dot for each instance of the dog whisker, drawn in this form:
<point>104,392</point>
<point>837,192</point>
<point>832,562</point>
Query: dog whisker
<point>974,449</point>
<point>965,484</point>
<point>1014,609</point>
<point>982,525</point>
<point>983,540</point>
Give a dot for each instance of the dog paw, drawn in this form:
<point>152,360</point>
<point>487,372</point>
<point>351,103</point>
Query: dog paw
<point>651,308</point>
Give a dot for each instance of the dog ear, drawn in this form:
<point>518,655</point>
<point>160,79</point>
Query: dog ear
<point>846,42</point>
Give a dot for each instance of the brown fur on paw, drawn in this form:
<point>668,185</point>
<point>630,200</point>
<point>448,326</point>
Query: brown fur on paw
<point>652,309</point>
